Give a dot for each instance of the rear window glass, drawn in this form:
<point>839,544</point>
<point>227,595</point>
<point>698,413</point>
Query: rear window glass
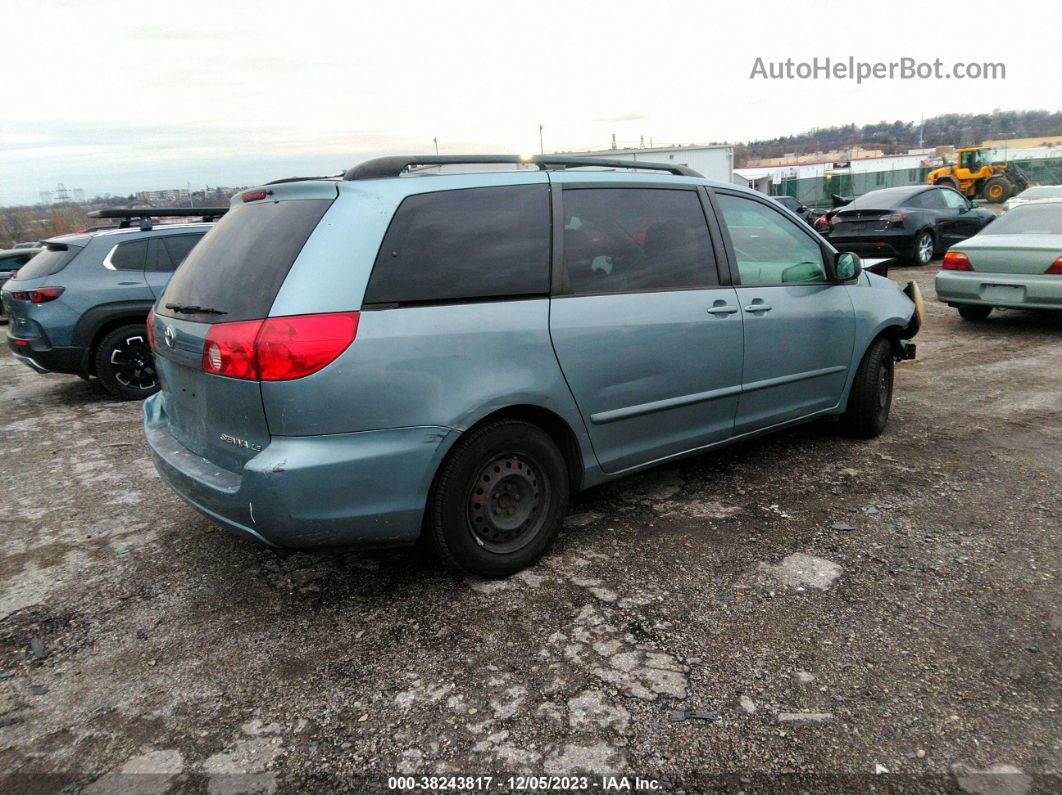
<point>462,244</point>
<point>48,262</point>
<point>239,266</point>
<point>1028,219</point>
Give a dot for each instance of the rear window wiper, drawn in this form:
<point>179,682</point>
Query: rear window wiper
<point>194,310</point>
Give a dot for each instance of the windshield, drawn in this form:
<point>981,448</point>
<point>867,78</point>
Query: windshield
<point>47,263</point>
<point>1029,219</point>
<point>235,271</point>
<point>1042,192</point>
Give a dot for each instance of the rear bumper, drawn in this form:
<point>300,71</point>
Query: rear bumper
<point>356,489</point>
<point>879,244</point>
<point>1014,290</point>
<point>36,353</point>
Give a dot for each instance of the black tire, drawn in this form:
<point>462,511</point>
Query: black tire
<point>948,182</point>
<point>923,249</point>
<point>869,402</point>
<point>124,364</point>
<point>997,190</point>
<point>974,312</point>
<point>498,500</point>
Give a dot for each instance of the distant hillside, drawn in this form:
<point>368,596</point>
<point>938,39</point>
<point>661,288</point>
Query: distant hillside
<point>961,129</point>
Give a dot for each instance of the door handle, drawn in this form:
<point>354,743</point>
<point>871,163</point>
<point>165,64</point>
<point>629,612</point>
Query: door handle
<point>722,309</point>
<point>758,307</point>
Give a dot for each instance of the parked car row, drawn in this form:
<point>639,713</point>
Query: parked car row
<point>366,359</point>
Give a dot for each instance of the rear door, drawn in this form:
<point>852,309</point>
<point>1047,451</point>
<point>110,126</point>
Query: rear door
<point>231,277</point>
<point>646,332</point>
<point>798,327</point>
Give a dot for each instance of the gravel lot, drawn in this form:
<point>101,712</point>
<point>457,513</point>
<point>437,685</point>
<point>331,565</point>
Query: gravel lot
<point>841,608</point>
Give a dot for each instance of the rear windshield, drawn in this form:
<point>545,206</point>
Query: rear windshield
<point>47,263</point>
<point>237,269</point>
<point>1028,219</point>
<point>880,199</point>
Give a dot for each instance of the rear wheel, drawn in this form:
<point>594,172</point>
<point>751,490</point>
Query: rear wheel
<point>869,402</point>
<point>498,500</point>
<point>124,364</point>
<point>922,251</point>
<point>947,182</point>
<point>974,312</point>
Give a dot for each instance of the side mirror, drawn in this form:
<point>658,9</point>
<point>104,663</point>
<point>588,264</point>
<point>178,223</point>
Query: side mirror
<point>847,266</point>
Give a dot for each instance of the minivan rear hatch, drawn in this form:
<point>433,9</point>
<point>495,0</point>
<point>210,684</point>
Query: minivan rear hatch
<point>231,277</point>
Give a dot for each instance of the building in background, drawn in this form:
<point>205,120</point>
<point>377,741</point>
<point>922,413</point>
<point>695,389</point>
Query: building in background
<point>713,161</point>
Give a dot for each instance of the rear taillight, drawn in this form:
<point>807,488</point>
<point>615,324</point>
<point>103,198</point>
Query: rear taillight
<point>956,261</point>
<point>40,296</point>
<point>278,348</point>
<point>151,328</point>
<point>895,218</point>
<point>229,349</point>
<point>1056,268</point>
<point>293,347</point>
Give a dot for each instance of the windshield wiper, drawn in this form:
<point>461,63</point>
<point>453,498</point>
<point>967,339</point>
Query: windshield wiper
<point>194,310</point>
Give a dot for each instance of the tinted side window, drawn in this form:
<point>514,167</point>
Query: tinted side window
<point>171,251</point>
<point>130,256</point>
<point>770,249</point>
<point>953,199</point>
<point>632,239</point>
<point>930,200</point>
<point>458,244</point>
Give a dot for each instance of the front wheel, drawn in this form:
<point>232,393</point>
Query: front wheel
<point>498,500</point>
<point>974,312</point>
<point>124,363</point>
<point>869,402</point>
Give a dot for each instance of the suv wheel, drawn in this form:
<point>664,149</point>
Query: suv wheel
<point>974,312</point>
<point>124,363</point>
<point>871,397</point>
<point>498,500</point>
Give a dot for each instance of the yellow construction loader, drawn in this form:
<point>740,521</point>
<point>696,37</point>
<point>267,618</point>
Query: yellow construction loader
<point>977,178</point>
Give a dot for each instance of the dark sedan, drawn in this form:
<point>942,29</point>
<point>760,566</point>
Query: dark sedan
<point>914,223</point>
<point>11,261</point>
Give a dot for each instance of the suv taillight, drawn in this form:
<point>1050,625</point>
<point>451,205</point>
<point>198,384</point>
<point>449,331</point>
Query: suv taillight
<point>278,348</point>
<point>1056,268</point>
<point>956,261</point>
<point>39,296</point>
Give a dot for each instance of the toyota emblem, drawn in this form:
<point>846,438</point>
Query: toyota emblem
<point>170,336</point>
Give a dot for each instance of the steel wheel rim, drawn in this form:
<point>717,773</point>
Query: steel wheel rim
<point>132,364</point>
<point>925,248</point>
<point>883,387</point>
<point>507,503</point>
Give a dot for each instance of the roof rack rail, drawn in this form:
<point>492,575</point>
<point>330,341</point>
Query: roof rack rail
<point>394,166</point>
<point>146,214</point>
<point>301,179</point>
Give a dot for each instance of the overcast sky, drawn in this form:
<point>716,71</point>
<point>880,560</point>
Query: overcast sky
<point>115,97</point>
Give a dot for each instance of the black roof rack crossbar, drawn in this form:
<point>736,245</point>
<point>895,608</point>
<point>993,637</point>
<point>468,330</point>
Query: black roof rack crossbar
<point>394,166</point>
<point>147,213</point>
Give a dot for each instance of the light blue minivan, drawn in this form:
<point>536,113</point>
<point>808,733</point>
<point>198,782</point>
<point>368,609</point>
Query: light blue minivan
<point>406,350</point>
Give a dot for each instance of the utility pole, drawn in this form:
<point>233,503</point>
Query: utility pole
<point>436,141</point>
<point>541,146</point>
